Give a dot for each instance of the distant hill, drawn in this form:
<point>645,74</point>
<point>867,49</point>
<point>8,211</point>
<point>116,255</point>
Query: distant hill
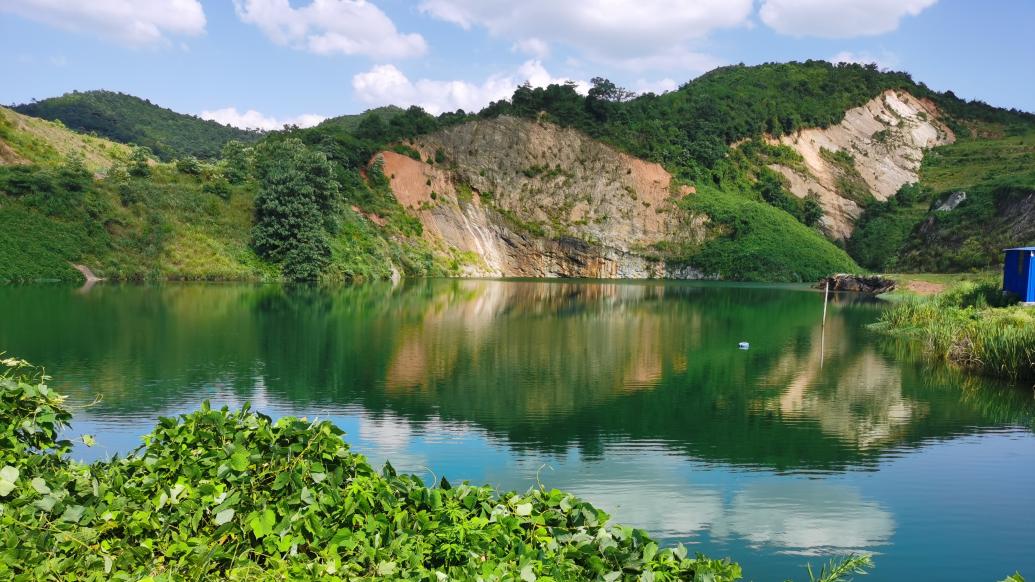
<point>28,140</point>
<point>766,172</point>
<point>351,122</point>
<point>128,119</point>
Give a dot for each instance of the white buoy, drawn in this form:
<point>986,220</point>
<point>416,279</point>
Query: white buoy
<point>744,345</point>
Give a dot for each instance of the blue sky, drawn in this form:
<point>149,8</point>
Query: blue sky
<point>265,62</point>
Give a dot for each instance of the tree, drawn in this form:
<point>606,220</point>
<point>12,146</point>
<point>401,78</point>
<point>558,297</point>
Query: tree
<point>811,210</point>
<point>73,175</point>
<point>296,192</point>
<point>372,127</point>
<point>236,161</point>
<point>605,90</point>
<point>139,162</point>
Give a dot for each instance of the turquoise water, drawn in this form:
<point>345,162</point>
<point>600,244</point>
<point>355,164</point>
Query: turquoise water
<point>813,443</point>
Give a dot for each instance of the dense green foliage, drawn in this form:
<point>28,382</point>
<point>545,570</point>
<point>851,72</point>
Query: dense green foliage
<point>997,172</point>
<point>237,495</point>
<point>127,119</point>
<point>756,242</point>
<point>884,227</point>
<point>992,163</point>
<point>971,325</point>
<point>294,209</point>
<point>350,123</point>
<point>690,129</point>
<point>191,220</point>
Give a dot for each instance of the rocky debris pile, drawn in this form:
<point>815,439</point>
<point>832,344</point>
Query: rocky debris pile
<point>867,284</point>
<point>950,203</point>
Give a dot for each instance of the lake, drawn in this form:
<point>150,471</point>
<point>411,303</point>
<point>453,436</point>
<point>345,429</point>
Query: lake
<point>815,442</point>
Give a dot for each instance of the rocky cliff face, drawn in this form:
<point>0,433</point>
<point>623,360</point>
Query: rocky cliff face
<point>512,197</point>
<point>874,151</point>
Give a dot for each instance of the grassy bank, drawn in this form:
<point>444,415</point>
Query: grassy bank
<point>971,325</point>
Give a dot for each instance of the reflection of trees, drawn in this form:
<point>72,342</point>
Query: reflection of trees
<point>545,365</point>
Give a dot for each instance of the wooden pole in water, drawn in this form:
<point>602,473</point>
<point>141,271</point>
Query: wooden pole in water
<point>823,329</point>
<point>826,297</point>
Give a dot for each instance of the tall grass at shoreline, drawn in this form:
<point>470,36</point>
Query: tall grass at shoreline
<point>972,325</point>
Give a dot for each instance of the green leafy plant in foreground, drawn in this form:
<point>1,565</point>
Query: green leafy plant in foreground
<point>234,494</point>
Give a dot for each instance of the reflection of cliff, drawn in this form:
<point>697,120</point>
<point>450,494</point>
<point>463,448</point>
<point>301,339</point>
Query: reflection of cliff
<point>520,338</point>
<point>548,366</point>
<point>859,400</point>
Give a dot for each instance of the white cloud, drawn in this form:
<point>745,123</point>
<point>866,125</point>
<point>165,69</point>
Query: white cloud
<point>130,22</point>
<point>252,119</point>
<point>350,27</point>
<point>387,85</point>
<point>633,34</point>
<point>886,60</point>
<point>535,47</point>
<point>660,86</point>
<point>838,18</point>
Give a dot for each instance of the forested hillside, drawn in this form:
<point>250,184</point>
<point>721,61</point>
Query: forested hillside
<point>130,217</point>
<point>711,149</point>
<point>128,119</point>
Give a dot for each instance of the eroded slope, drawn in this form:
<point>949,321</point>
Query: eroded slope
<point>876,149</point>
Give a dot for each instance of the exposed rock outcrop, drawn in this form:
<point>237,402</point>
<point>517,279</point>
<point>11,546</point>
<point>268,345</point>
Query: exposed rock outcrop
<point>866,284</point>
<point>950,203</point>
<point>518,198</point>
<point>885,138</point>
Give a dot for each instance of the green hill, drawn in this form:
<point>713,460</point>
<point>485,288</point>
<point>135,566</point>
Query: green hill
<point>351,122</point>
<point>128,119</point>
<point>993,164</point>
<point>195,221</point>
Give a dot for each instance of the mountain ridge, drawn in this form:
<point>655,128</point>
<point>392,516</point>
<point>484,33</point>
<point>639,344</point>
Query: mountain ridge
<point>129,119</point>
<point>464,193</point>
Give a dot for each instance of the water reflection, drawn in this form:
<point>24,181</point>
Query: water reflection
<point>807,517</point>
<point>543,365</point>
<point>633,395</point>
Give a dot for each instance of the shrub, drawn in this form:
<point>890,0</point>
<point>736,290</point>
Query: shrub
<point>139,163</point>
<point>218,186</point>
<point>235,495</point>
<point>188,165</point>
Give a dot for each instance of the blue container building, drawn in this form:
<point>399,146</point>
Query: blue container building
<point>1019,273</point>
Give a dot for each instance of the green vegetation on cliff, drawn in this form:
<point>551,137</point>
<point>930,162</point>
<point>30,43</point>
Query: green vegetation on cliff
<point>752,241</point>
<point>236,495</point>
<point>171,221</point>
<point>128,119</point>
<point>994,166</point>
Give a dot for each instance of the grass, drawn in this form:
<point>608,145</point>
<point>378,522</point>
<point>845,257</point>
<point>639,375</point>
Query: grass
<point>752,241</point>
<point>44,142</point>
<point>974,160</point>
<point>971,326</point>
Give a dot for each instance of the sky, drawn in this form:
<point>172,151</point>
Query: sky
<point>263,63</point>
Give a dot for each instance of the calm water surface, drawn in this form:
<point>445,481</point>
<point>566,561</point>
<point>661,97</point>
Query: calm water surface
<point>633,395</point>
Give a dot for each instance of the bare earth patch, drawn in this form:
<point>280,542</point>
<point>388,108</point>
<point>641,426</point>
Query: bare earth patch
<point>925,287</point>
